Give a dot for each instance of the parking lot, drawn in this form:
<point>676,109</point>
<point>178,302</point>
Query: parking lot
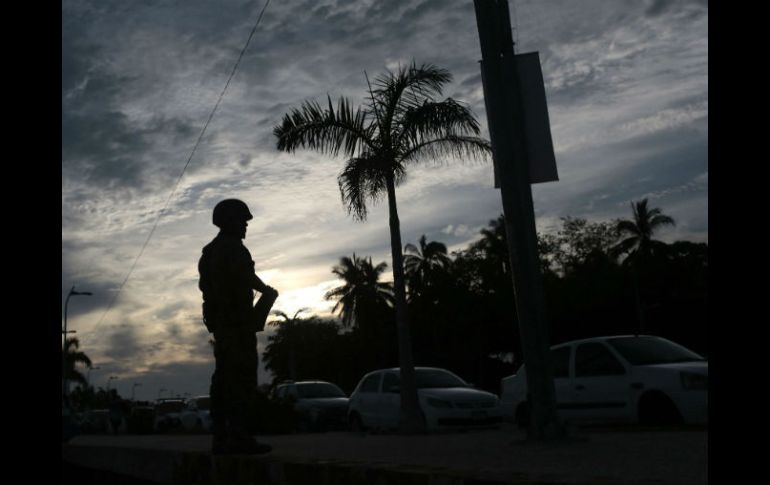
<point>591,455</point>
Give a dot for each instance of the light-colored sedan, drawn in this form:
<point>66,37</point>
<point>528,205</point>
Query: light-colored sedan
<point>624,379</point>
<point>167,412</point>
<point>196,414</point>
<point>320,405</point>
<point>446,401</point>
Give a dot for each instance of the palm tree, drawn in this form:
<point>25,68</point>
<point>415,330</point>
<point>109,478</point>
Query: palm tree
<point>363,294</point>
<point>638,244</point>
<point>423,264</point>
<point>288,324</point>
<point>494,243</point>
<point>73,357</point>
<point>400,124</point>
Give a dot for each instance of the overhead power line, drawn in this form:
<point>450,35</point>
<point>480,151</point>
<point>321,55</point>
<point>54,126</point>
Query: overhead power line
<point>187,164</point>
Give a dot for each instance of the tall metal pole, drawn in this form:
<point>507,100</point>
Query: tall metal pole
<point>133,388</point>
<point>109,381</point>
<point>504,110</point>
<point>88,376</point>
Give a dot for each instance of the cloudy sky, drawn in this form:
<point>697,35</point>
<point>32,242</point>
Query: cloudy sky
<point>627,88</point>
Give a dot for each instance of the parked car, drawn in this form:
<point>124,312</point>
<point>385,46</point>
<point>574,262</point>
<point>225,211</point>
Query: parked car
<point>446,401</point>
<point>319,405</point>
<point>140,420</point>
<point>633,379</point>
<point>167,413</point>
<point>95,421</point>
<point>196,416</point>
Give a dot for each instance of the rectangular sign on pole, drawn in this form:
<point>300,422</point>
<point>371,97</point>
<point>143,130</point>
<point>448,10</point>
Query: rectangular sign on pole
<point>537,126</point>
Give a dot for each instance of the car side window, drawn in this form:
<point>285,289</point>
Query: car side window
<point>390,380</point>
<point>595,359</point>
<point>280,393</point>
<point>560,361</point>
<point>371,383</point>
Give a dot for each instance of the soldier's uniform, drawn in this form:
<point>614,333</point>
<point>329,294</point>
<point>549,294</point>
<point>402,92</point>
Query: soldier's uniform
<point>228,283</point>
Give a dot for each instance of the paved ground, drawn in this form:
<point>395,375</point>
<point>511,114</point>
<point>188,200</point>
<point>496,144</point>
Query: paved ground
<point>593,455</point>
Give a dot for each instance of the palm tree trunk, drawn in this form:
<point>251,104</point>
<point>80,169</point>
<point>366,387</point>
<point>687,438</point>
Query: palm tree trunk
<point>410,410</point>
<point>639,310</point>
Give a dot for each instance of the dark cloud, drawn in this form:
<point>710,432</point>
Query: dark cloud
<point>657,8</point>
<point>123,344</point>
<point>662,161</point>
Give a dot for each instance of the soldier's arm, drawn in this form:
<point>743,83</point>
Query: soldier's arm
<point>255,282</point>
<point>245,266</point>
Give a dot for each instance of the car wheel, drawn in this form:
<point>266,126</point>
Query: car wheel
<point>522,416</point>
<point>655,408</point>
<point>356,425</point>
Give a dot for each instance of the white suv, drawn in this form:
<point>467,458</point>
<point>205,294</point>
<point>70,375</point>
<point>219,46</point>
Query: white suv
<point>633,379</point>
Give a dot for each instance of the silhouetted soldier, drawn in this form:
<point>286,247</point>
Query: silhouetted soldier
<point>228,282</point>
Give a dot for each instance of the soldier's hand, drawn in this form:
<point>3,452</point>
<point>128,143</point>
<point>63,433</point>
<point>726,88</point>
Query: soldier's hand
<point>271,290</point>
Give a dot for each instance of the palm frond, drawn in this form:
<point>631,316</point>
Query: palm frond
<point>435,120</point>
<point>362,179</point>
<point>452,146</point>
<point>625,246</point>
<point>324,130</point>
<point>661,220</point>
<point>399,92</point>
<point>628,227</point>
<point>411,84</point>
<point>411,249</point>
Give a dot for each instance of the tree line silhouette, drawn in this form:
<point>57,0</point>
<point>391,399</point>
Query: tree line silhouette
<point>600,278</point>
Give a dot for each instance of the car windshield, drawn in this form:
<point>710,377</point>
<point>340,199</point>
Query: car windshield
<point>652,350</point>
<point>435,378</point>
<point>307,391</point>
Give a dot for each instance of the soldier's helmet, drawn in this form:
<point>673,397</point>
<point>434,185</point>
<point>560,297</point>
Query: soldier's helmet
<point>231,210</point>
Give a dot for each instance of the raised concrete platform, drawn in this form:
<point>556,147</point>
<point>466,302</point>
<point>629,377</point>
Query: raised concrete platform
<point>594,456</point>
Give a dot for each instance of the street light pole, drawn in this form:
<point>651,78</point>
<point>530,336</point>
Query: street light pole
<point>88,376</point>
<point>110,380</point>
<point>133,388</point>
<point>64,386</point>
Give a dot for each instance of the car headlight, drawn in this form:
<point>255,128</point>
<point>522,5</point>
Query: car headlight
<point>438,403</point>
<point>692,381</point>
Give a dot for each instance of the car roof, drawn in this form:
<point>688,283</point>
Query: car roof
<point>398,369</point>
<point>597,339</point>
<point>304,382</point>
